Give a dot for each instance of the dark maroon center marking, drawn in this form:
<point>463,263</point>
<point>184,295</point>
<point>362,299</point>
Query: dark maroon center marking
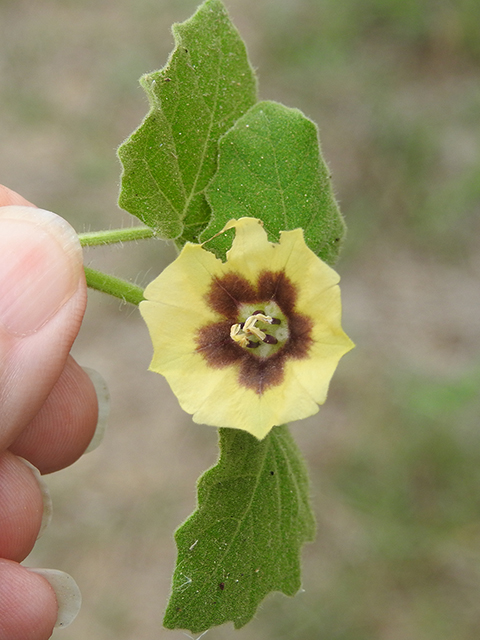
<point>225,297</point>
<point>227,294</point>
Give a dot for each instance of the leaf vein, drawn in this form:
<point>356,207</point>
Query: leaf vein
<point>212,111</point>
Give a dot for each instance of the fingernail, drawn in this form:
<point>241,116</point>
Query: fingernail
<point>69,598</point>
<point>40,267</point>
<point>46,497</point>
<point>103,399</point>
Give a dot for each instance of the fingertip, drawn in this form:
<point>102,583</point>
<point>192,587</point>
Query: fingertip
<point>65,425</point>
<point>42,264</point>
<point>9,197</point>
<point>42,303</point>
<point>28,605</point>
<point>21,508</point>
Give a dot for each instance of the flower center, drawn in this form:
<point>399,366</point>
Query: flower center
<point>265,330</point>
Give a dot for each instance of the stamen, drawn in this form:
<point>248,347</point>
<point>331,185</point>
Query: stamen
<point>237,335</point>
<point>265,318</point>
<point>258,315</point>
<point>241,331</point>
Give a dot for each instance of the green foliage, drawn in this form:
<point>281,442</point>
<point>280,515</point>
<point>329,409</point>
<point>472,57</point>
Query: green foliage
<point>244,539</point>
<point>168,161</point>
<point>206,153</point>
<point>270,167</point>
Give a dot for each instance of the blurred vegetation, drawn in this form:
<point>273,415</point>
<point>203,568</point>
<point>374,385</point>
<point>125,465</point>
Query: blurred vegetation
<point>395,452</point>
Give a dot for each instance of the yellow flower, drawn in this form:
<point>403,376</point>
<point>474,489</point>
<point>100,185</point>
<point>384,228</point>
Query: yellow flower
<point>252,342</point>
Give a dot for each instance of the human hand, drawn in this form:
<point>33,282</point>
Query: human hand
<point>48,404</point>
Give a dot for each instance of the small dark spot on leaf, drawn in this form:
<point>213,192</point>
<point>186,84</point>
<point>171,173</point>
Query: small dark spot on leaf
<point>221,586</point>
<point>272,473</point>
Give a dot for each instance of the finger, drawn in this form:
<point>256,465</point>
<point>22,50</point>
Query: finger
<point>8,197</point>
<point>28,606</point>
<point>42,302</point>
<point>64,426</point>
<point>21,508</point>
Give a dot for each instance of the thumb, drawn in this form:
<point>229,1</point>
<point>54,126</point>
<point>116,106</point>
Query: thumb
<point>42,301</point>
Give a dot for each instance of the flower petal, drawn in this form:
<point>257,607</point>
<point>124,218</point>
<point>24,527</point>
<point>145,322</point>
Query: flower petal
<point>311,275</point>
<point>251,251</point>
<point>251,412</point>
<point>187,279</point>
<point>190,306</point>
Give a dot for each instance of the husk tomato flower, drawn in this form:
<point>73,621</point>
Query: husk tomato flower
<point>252,342</point>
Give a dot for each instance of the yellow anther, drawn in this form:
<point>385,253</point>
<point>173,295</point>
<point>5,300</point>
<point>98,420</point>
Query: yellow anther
<point>240,333</point>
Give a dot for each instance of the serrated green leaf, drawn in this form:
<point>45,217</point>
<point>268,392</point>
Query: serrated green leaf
<point>270,167</point>
<point>168,161</point>
<point>244,539</point>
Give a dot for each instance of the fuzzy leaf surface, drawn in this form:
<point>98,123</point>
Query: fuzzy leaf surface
<point>270,167</point>
<point>245,537</point>
<point>168,161</point>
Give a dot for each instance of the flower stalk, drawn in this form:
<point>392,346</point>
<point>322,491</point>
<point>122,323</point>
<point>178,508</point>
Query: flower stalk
<point>104,282</point>
<point>112,236</point>
<point>126,291</point>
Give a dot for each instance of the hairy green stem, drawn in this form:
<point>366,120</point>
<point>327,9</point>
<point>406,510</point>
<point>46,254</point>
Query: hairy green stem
<point>111,236</point>
<point>117,287</point>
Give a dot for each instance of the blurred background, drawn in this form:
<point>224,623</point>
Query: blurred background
<point>395,453</point>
